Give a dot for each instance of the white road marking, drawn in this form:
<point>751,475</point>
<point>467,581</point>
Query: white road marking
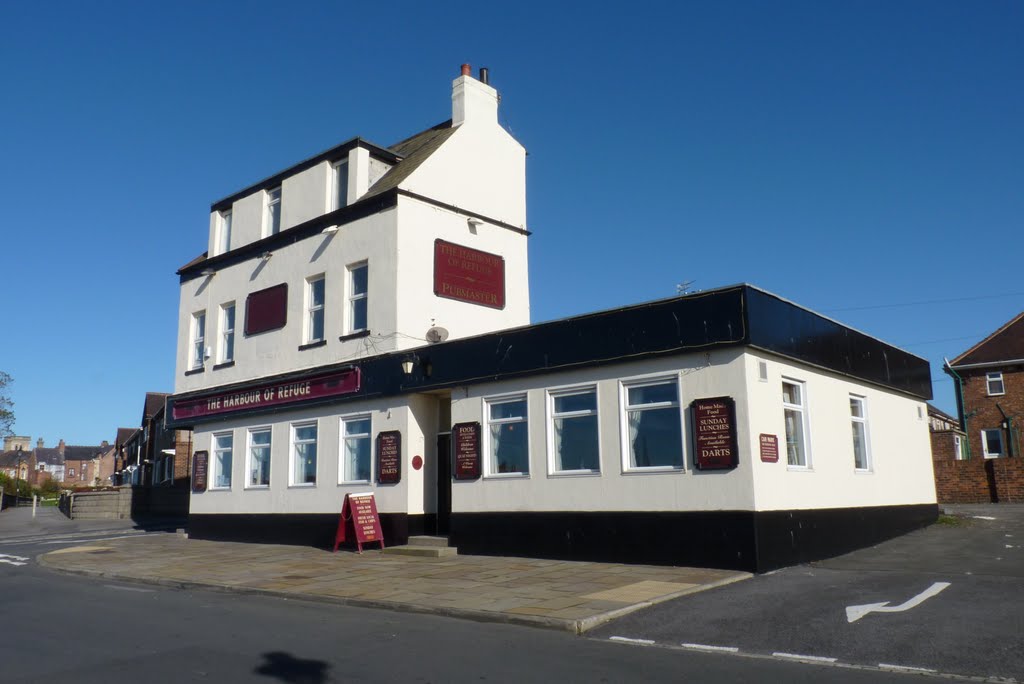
<point>983,517</point>
<point>854,613</point>
<point>90,539</point>
<point>903,668</point>
<point>632,641</point>
<point>810,658</point>
<point>144,591</point>
<point>7,555</point>
<point>10,562</point>
<point>705,647</point>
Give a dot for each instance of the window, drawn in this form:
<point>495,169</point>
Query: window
<point>303,471</point>
<point>198,340</point>
<point>222,447</point>
<point>992,443</point>
<point>227,333</point>
<point>357,289</point>
<point>273,213</point>
<point>508,451</point>
<point>339,184</point>
<point>958,448</point>
<point>355,449</point>
<point>224,232</point>
<point>653,425</point>
<point>859,422</point>
<point>573,429</point>
<point>315,309</point>
<point>71,472</point>
<point>259,458</point>
<point>796,423</point>
<point>994,382</point>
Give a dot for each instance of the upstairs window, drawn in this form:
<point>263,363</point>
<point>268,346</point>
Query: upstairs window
<point>227,333</point>
<point>198,346</point>
<point>315,309</point>
<point>339,184</point>
<point>273,212</point>
<point>224,232</point>
<point>358,276</point>
<point>994,384</point>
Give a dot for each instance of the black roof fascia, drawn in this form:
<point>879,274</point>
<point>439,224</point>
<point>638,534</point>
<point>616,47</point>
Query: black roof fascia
<point>311,228</point>
<point>377,151</point>
<point>695,322</point>
<point>779,326</point>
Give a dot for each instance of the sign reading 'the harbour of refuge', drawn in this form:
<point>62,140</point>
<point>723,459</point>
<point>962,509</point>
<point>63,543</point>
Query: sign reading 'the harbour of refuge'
<point>469,275</point>
<point>714,433</point>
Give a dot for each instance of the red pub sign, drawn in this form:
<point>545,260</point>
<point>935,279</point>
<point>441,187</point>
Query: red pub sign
<point>261,396</point>
<point>714,433</point>
<point>467,450</point>
<point>200,470</point>
<point>359,519</point>
<point>469,275</point>
<point>389,457</point>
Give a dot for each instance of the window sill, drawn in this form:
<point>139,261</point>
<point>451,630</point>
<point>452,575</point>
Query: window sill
<point>219,489</point>
<point>303,485</point>
<point>355,483</point>
<point>863,471</point>
<point>257,488</point>
<point>799,469</point>
<point>195,371</point>
<point>507,476</point>
<point>355,336</point>
<point>575,473</point>
<point>654,470</point>
<point>312,345</point>
<point>226,364</point>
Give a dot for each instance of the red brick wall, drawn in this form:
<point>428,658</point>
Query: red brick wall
<point>980,409</point>
<point>980,480</point>
<point>943,448</point>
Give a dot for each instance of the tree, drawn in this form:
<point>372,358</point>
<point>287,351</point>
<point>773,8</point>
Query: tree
<point>6,406</point>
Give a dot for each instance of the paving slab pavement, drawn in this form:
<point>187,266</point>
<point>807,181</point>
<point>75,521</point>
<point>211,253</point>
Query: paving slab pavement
<point>565,595</point>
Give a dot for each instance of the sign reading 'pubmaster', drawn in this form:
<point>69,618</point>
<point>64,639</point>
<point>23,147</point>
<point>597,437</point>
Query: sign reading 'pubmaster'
<point>469,275</point>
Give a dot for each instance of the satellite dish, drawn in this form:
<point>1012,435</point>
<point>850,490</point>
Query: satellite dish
<point>437,334</point>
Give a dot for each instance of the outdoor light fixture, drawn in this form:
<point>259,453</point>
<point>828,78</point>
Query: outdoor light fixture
<point>266,256</point>
<point>407,364</point>
<point>474,222</point>
<point>207,272</point>
<point>330,230</point>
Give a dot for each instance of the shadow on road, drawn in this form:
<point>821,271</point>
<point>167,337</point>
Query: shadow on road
<point>287,668</point>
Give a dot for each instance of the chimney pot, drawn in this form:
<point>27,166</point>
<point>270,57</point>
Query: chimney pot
<point>467,70</point>
<point>485,76</point>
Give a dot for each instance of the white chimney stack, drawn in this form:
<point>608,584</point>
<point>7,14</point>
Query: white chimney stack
<point>473,101</point>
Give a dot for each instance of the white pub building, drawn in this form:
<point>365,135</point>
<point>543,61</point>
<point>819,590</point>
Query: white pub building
<point>361,322</point>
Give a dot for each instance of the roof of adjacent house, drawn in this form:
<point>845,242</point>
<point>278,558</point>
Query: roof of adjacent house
<point>82,453</point>
<point>154,402</point>
<point>11,458</point>
<point>124,434</point>
<point>49,456</point>
<point>1004,345</point>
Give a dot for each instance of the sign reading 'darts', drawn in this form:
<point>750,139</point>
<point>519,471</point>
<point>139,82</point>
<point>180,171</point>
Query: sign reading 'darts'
<point>714,433</point>
<point>261,396</point>
<point>469,275</point>
<point>359,520</point>
<point>200,468</point>
<point>769,448</point>
<point>389,457</point>
<point>467,450</point>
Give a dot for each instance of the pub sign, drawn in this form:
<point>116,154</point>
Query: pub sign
<point>714,433</point>
<point>389,457</point>
<point>467,450</point>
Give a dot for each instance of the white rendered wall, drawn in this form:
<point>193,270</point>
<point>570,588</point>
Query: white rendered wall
<point>717,374</point>
<point>372,239</point>
<point>306,195</point>
<point>327,496</point>
<point>899,444</point>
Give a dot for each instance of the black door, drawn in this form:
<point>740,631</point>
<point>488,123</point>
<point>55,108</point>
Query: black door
<point>444,482</point>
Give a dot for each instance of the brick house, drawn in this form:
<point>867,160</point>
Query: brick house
<point>988,380</point>
<point>949,442</point>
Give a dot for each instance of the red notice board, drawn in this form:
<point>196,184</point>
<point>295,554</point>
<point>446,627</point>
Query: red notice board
<point>359,520</point>
<point>469,275</point>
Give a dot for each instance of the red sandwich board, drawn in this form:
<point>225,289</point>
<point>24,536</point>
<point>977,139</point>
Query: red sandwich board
<point>360,520</point>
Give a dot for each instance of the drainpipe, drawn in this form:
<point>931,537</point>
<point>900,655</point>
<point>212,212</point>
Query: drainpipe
<point>959,403</point>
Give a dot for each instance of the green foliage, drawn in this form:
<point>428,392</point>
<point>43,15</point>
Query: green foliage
<point>6,406</point>
<point>50,487</point>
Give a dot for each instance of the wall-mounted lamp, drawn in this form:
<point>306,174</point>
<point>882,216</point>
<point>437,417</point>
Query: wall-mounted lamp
<point>474,222</point>
<point>330,230</point>
<point>266,256</point>
<point>207,272</point>
<point>408,363</point>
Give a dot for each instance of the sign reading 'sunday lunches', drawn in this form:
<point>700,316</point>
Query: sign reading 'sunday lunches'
<point>261,396</point>
<point>467,450</point>
<point>389,457</point>
<point>714,433</point>
<point>469,275</point>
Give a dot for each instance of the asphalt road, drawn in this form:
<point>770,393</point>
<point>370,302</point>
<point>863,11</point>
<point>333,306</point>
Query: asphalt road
<point>969,619</point>
<point>66,628</point>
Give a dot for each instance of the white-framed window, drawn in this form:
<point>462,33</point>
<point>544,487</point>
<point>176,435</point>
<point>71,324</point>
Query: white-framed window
<point>959,453</point>
<point>339,184</point>
<point>859,423</point>
<point>258,465</point>
<point>71,472</point>
<point>226,353</point>
<point>303,454</point>
<point>573,430</point>
<point>994,384</point>
<point>507,436</point>
<point>794,407</point>
<point>315,309</point>
<point>272,215</point>
<point>358,281</point>
<point>992,443</point>
<point>652,425</point>
<point>223,446</point>
<point>198,345</point>
<point>356,452</point>
<point>224,232</point>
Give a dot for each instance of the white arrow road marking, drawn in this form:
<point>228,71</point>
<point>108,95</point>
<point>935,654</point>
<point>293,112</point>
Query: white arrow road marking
<point>7,555</point>
<point>854,613</point>
<point>10,562</point>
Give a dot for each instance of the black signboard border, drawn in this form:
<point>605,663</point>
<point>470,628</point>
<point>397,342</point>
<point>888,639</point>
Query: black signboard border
<point>733,441</point>
<point>456,474</point>
<point>380,475</point>
<point>203,456</point>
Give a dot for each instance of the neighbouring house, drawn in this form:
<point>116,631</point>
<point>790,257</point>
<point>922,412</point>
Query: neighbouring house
<point>360,322</point>
<point>82,464</point>
<point>949,442</point>
<point>18,463</point>
<point>988,380</point>
<point>49,463</point>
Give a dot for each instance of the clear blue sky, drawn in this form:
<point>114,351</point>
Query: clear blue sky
<point>850,156</point>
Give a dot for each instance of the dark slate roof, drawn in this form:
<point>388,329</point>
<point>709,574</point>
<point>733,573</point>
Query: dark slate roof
<point>1005,344</point>
<point>124,434</point>
<point>82,453</point>
<point>154,402</point>
<point>414,151</point>
<point>10,458</point>
<point>49,456</point>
